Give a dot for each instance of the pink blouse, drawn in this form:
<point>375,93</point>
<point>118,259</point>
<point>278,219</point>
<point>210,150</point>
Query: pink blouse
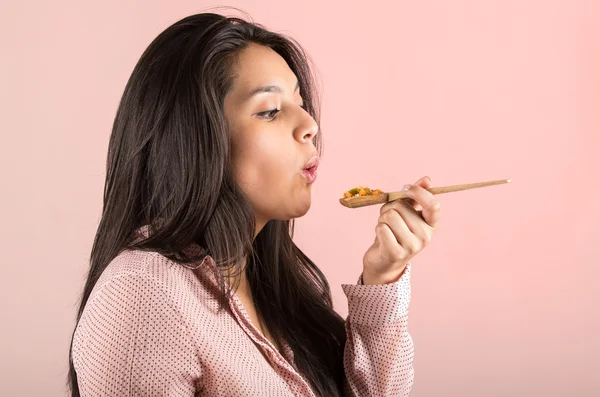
<point>151,328</point>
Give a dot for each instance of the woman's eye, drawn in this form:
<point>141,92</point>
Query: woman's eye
<point>269,114</point>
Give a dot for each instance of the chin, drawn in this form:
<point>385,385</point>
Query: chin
<point>303,209</point>
<point>296,212</point>
<point>303,212</point>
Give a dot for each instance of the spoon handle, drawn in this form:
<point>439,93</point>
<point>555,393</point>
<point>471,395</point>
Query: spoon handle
<point>363,201</point>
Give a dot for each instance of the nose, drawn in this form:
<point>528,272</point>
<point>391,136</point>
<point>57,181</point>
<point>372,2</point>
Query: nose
<point>307,129</point>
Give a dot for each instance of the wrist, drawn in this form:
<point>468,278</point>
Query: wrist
<point>382,278</point>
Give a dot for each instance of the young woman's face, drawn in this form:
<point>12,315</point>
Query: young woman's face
<point>271,136</point>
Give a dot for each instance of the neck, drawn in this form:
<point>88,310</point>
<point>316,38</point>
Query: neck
<point>241,278</point>
<point>260,224</point>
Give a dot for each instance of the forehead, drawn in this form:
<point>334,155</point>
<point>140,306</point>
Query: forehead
<point>257,65</point>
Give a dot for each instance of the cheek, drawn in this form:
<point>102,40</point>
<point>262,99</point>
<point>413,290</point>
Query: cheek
<point>266,167</point>
<point>262,163</point>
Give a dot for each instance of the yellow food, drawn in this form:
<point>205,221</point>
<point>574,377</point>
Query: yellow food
<point>361,191</point>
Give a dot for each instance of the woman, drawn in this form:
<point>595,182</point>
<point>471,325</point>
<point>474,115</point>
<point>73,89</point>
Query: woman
<point>195,285</point>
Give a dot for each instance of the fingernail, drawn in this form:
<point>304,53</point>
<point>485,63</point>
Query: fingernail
<point>428,177</point>
<point>406,188</point>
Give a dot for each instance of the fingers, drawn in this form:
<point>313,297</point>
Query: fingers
<point>387,244</point>
<point>408,227</point>
<point>425,183</point>
<point>393,220</point>
<point>412,220</point>
<point>431,206</point>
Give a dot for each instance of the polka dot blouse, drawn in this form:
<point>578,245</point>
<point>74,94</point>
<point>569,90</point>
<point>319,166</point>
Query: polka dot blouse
<point>151,327</point>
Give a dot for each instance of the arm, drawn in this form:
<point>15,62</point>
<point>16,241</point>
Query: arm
<point>378,356</point>
<point>131,341</point>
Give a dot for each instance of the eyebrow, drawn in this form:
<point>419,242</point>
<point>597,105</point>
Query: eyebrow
<point>271,88</point>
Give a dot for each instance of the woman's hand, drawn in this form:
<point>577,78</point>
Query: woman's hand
<point>404,228</point>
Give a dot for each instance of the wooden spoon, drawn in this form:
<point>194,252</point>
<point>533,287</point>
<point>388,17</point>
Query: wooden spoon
<point>363,201</point>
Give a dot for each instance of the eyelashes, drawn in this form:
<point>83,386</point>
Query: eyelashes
<point>270,115</point>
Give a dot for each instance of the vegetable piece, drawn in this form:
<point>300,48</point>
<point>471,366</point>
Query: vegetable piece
<point>361,191</point>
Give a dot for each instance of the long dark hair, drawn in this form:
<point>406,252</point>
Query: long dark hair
<point>168,167</point>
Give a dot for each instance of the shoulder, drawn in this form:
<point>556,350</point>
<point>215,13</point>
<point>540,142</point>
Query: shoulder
<point>137,281</point>
<point>158,273</point>
<point>139,292</point>
<point>140,264</point>
<point>133,282</point>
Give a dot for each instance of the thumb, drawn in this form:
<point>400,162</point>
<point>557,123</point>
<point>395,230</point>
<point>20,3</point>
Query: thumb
<point>424,182</point>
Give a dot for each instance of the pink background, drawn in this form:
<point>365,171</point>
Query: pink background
<point>505,297</point>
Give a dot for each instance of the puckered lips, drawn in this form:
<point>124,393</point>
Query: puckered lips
<point>309,171</point>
